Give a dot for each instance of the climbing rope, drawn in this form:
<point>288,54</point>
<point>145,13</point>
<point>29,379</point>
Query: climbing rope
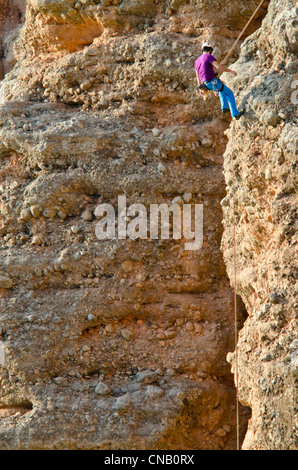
<point>235,270</point>
<point>208,92</point>
<point>234,232</point>
<point>235,295</point>
<point>242,32</point>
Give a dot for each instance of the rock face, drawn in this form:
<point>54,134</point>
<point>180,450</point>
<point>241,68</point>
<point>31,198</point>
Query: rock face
<point>262,150</point>
<point>12,15</point>
<point>122,344</point>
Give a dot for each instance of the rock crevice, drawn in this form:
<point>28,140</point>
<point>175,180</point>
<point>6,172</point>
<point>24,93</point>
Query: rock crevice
<point>262,152</point>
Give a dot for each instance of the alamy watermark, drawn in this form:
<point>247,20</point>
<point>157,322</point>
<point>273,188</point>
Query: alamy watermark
<point>134,222</point>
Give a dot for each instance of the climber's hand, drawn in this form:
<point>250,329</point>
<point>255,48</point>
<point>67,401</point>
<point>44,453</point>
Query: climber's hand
<point>234,73</point>
<point>203,95</point>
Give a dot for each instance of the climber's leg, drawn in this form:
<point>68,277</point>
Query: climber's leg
<point>224,102</point>
<point>227,96</point>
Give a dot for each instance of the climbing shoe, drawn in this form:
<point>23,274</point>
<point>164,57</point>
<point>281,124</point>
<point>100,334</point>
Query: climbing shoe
<point>226,110</point>
<point>240,114</point>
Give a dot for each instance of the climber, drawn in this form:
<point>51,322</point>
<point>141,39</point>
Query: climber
<point>208,80</point>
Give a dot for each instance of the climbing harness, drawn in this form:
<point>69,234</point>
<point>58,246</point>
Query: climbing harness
<point>217,86</point>
<point>205,90</point>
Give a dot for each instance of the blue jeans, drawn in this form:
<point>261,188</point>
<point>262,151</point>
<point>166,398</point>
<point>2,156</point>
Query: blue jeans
<point>227,98</point>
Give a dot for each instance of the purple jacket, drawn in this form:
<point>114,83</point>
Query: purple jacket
<point>204,67</point>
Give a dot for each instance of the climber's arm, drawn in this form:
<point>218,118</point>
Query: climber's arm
<point>222,68</point>
<point>198,79</point>
<point>199,83</point>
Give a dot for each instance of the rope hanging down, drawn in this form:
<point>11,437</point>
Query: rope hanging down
<point>235,295</point>
<point>234,232</point>
<point>235,271</point>
<point>242,32</point>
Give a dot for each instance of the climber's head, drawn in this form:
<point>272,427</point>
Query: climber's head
<point>207,48</point>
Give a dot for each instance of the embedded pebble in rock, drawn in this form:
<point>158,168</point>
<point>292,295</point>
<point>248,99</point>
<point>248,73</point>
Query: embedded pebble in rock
<point>187,197</point>
<point>25,215</point>
<point>102,389</point>
<point>87,215</point>
<point>127,334</point>
<point>62,381</point>
<point>35,211</point>
<point>5,282</point>
<point>37,239</point>
<point>75,229</point>
<point>147,377</point>
<point>127,266</point>
<point>153,391</point>
<point>156,132</point>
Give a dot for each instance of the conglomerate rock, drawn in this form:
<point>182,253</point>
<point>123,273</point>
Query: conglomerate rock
<point>116,344</point>
<point>262,150</point>
<point>12,13</point>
